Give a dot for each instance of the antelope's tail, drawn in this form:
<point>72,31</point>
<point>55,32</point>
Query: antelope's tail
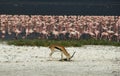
<point>72,55</point>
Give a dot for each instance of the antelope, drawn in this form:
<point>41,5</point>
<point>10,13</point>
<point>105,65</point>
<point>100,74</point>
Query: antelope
<point>62,50</point>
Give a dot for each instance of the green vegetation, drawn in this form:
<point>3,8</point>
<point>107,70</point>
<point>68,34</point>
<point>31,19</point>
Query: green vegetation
<point>75,43</point>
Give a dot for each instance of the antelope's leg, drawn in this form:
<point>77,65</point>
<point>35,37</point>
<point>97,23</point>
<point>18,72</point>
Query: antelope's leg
<point>50,55</point>
<point>61,55</point>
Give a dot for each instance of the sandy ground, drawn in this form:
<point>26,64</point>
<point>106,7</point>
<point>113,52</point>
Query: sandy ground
<point>89,60</point>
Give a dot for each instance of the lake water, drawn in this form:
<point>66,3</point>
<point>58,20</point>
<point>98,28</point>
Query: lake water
<point>60,8</point>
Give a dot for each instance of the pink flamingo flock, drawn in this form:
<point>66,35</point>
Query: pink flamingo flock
<point>59,27</point>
